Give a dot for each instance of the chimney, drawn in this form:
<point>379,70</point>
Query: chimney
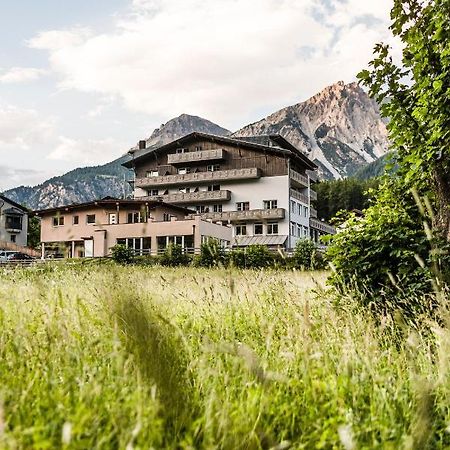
<point>142,145</point>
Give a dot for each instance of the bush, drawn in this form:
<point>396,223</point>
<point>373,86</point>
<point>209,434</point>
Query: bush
<point>385,256</point>
<point>258,256</point>
<point>121,254</point>
<point>211,254</point>
<point>304,254</point>
<point>174,256</point>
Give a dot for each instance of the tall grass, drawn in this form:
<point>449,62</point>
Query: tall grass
<point>118,357</point>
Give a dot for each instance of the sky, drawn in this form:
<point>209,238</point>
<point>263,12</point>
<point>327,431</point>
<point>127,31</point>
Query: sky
<point>82,81</point>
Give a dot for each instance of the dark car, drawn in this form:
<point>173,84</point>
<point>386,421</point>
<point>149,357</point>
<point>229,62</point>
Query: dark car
<point>19,256</point>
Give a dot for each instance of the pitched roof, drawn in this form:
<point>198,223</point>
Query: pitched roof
<point>112,202</point>
<point>16,205</point>
<point>273,143</point>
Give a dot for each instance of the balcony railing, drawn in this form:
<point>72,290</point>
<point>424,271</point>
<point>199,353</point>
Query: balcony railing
<point>312,175</point>
<point>299,196</point>
<point>198,177</point>
<point>313,195</point>
<point>192,197</point>
<point>298,178</point>
<point>313,213</point>
<point>252,214</point>
<point>321,226</point>
<point>203,155</point>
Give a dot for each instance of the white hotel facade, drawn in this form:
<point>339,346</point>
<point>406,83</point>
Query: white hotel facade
<point>262,187</point>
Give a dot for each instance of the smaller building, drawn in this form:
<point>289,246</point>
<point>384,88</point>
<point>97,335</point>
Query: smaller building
<point>148,227</point>
<point>13,223</point>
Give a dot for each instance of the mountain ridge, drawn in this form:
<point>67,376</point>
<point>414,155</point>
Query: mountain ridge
<point>339,128</point>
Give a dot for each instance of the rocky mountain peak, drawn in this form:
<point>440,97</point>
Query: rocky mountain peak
<point>339,128</point>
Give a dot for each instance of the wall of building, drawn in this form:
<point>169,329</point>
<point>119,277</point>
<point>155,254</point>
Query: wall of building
<point>20,238</point>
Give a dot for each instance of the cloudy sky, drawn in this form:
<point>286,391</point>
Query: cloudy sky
<point>81,81</point>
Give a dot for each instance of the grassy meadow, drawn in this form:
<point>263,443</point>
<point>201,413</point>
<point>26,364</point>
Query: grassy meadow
<point>105,357</point>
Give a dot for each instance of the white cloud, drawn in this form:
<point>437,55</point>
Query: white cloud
<point>23,128</point>
<point>221,59</point>
<point>86,151</point>
<point>21,74</point>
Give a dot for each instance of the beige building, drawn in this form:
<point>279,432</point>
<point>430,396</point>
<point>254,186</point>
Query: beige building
<point>91,229</point>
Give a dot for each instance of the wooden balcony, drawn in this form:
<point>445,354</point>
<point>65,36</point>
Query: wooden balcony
<point>297,179</point>
<point>299,196</point>
<point>250,215</point>
<point>190,157</point>
<point>193,197</point>
<point>312,195</point>
<point>312,175</point>
<point>198,178</point>
<point>321,226</point>
<point>313,213</point>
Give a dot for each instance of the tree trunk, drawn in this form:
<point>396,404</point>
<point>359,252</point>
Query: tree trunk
<point>442,218</point>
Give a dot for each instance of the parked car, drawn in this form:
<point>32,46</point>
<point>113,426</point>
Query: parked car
<point>4,254</point>
<point>19,256</point>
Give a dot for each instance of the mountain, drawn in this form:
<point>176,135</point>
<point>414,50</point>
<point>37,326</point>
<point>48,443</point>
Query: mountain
<point>377,168</point>
<point>340,129</point>
<point>89,183</point>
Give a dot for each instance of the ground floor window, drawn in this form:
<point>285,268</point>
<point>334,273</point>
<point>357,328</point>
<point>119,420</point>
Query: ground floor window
<point>258,228</point>
<point>186,242</point>
<point>140,245</point>
<point>241,230</point>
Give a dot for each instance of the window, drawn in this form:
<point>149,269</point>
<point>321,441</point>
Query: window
<point>90,219</point>
<point>293,229</point>
<point>140,245</point>
<point>181,150</point>
<point>184,190</point>
<point>112,218</point>
<point>13,222</point>
<point>241,230</point>
<point>76,220</point>
<point>58,221</point>
<point>299,230</point>
<point>153,173</point>
<point>166,217</point>
<point>305,211</point>
<point>202,209</point>
<point>217,208</point>
<point>135,217</point>
<point>293,206</point>
<point>183,170</point>
<point>258,228</point>
<point>242,206</point>
<point>213,167</point>
<point>13,238</point>
<point>214,187</point>
<point>198,148</point>
<point>272,228</point>
<point>153,192</point>
<point>270,204</point>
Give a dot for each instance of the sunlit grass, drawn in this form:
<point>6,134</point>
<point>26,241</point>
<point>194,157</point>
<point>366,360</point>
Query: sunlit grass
<point>125,357</point>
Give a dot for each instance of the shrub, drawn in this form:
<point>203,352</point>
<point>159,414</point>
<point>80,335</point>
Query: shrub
<point>258,256</point>
<point>237,258</point>
<point>385,256</point>
<point>211,254</point>
<point>174,256</point>
<point>304,254</point>
<point>121,254</point>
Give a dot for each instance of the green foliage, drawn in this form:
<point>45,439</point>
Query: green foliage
<point>212,254</point>
<point>122,254</point>
<point>258,256</point>
<point>34,232</point>
<point>174,256</point>
<point>377,255</point>
<point>415,97</point>
<point>113,357</point>
<point>304,254</point>
<point>348,194</point>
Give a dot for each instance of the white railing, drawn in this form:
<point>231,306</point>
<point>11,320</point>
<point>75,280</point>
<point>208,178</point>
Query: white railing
<point>299,196</point>
<point>192,197</point>
<point>251,214</point>
<point>299,178</point>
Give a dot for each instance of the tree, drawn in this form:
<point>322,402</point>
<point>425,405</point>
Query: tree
<point>416,98</point>
<point>34,231</point>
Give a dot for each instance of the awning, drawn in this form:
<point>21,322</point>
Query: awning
<point>243,241</point>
